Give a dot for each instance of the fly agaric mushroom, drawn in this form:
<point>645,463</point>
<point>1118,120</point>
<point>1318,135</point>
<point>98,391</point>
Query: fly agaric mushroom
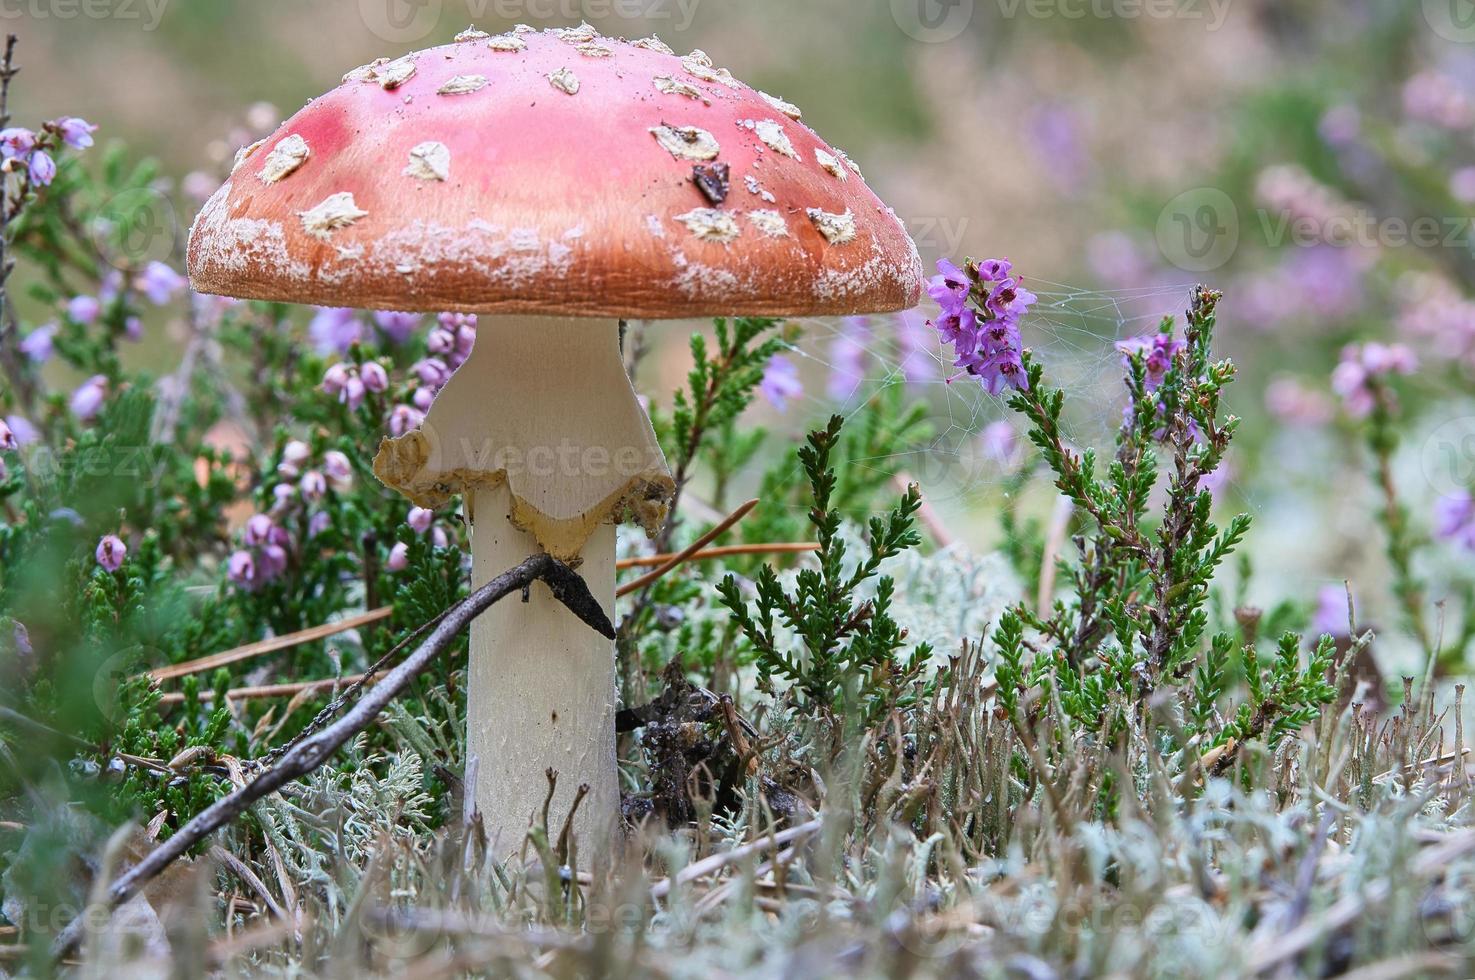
<point>556,183</point>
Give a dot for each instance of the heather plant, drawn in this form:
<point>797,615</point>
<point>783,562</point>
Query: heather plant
<point>849,741</point>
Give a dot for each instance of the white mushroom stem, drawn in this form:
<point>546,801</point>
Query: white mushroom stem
<point>540,693</point>
<point>543,433</point>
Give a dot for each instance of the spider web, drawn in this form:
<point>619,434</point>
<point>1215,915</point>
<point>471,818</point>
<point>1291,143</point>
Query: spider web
<point>1072,331</point>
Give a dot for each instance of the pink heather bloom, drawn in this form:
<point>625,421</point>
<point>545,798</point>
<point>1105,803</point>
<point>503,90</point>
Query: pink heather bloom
<point>1454,519</point>
<point>398,327</point>
<point>403,419</point>
<point>160,283</point>
<point>1341,125</point>
<point>133,329</point>
<point>423,398</point>
<point>1462,185</point>
<point>848,358</point>
<point>780,382</point>
<point>1436,98</point>
<point>84,310</point>
<point>241,570</point>
<point>295,455</point>
<point>318,523</point>
<point>431,371</point>
<point>259,530</point>
<point>338,469</point>
<point>88,399</point>
<point>42,168</point>
<point>334,330</point>
<point>374,376</point>
<point>1158,352</point>
<point>438,537</point>
<point>283,494</point>
<point>25,432</point>
<point>110,553</point>
<point>1000,443</point>
<point>399,557</point>
<point>7,437</point>
<point>1292,403</point>
<point>442,340</point>
<point>314,486</point>
<point>420,519</point>
<point>335,379</point>
<point>950,288</point>
<point>199,186</point>
<point>985,336</point>
<point>76,133</point>
<point>1362,365</point>
<point>16,142</point>
<point>1331,611</point>
<point>918,362</point>
<point>39,344</point>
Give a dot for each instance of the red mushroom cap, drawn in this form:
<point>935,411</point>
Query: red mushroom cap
<point>554,173</point>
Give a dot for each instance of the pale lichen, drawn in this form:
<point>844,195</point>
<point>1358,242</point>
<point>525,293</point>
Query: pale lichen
<point>429,161</point>
<point>697,63</point>
<point>711,225</point>
<point>667,85</point>
<point>774,137</point>
<point>770,223</point>
<point>831,163</point>
<point>284,159</point>
<point>565,81</point>
<point>463,85</point>
<point>687,142</point>
<point>335,212</point>
<point>787,108</point>
<point>652,43</point>
<point>838,229</point>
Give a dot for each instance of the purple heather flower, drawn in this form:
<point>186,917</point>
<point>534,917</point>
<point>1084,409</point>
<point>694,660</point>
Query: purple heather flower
<point>918,363</point>
<point>241,570</point>
<point>1331,611</point>
<point>76,133</point>
<point>986,338</point>
<point>111,286</point>
<point>133,329</point>
<point>39,344</point>
<point>295,455</point>
<point>7,437</point>
<point>314,485</point>
<point>949,289</point>
<point>438,537</point>
<point>84,310</point>
<point>16,142</point>
<point>87,400</point>
<point>318,523</point>
<point>959,328</point>
<point>1000,443</point>
<point>403,419</point>
<point>160,283</point>
<point>25,432</point>
<point>994,270</point>
<point>1363,364</point>
<point>23,640</point>
<point>334,330</point>
<point>420,519</point>
<point>399,557</point>
<point>1454,519</point>
<point>282,496</point>
<point>1462,185</point>
<point>1340,125</point>
<point>338,469</point>
<point>431,371</point>
<point>259,530</point>
<point>1157,350</point>
<point>42,168</point>
<point>199,185</point>
<point>442,340</point>
<point>848,358</point>
<point>271,561</point>
<point>110,552</point>
<point>1292,403</point>
<point>423,398</point>
<point>374,376</point>
<point>780,382</point>
<point>999,369</point>
<point>353,393</point>
<point>398,327</point>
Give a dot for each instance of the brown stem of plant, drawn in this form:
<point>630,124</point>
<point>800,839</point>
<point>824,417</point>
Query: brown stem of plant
<point>312,752</point>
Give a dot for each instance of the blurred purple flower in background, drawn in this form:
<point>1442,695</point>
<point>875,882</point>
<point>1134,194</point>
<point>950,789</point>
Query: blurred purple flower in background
<point>918,355</point>
<point>38,345</point>
<point>398,327</point>
<point>16,142</point>
<point>1331,611</point>
<point>1056,133</point>
<point>160,283</point>
<point>8,440</point>
<point>781,382</point>
<point>1293,403</point>
<point>848,358</point>
<point>110,552</point>
<point>334,330</point>
<point>88,399</point>
<point>1436,98</point>
<point>1000,443</point>
<point>84,310</point>
<point>1454,519</point>
<point>25,433</point>
<point>1362,365</point>
<point>399,557</point>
